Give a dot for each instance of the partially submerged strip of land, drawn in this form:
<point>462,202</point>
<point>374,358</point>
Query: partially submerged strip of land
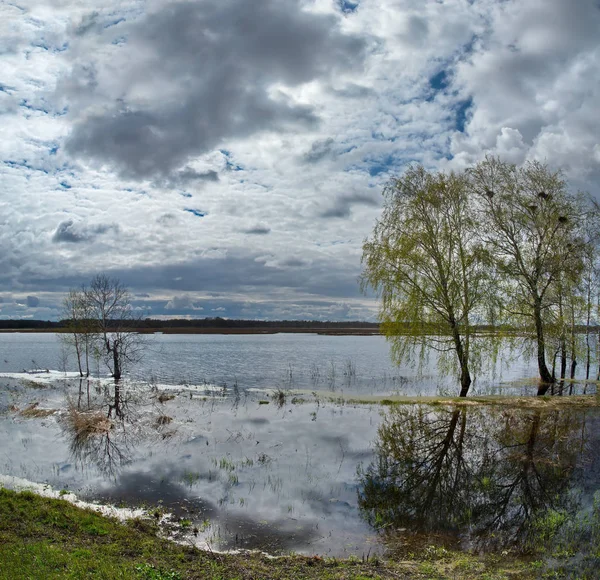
<point>49,538</point>
<point>511,401</point>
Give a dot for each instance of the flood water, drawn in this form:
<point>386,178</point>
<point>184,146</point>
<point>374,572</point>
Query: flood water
<point>240,466</point>
<point>355,364</point>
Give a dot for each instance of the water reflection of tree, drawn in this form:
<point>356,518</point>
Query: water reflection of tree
<point>480,475</point>
<point>104,425</point>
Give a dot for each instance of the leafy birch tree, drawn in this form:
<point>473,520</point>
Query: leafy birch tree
<point>425,262</point>
<point>531,225</point>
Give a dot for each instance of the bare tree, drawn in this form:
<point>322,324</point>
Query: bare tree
<point>99,321</point>
<point>109,302</point>
<point>79,325</point>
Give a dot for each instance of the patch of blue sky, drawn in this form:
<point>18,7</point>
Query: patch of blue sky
<point>24,164</point>
<point>229,165</point>
<point>436,84</point>
<point>196,212</point>
<point>439,81</point>
<point>348,6</point>
<point>233,166</point>
<point>53,150</point>
<point>119,40</point>
<point>65,185</point>
<point>383,165</point>
<point>114,22</point>
<point>26,105</point>
<point>48,48</point>
<point>185,194</point>
<point>462,113</point>
<point>469,46</point>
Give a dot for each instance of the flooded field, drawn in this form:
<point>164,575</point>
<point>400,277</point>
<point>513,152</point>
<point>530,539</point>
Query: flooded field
<point>285,466</point>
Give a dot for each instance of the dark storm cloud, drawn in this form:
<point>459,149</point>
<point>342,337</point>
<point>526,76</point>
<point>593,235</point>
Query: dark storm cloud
<point>220,58</point>
<point>188,175</point>
<point>33,301</point>
<point>258,231</point>
<point>342,206</point>
<point>74,233</point>
<point>319,150</point>
<point>244,272</point>
<point>294,263</point>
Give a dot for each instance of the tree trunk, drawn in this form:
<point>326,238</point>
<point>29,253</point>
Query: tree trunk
<point>78,353</point>
<point>598,356</point>
<point>588,346</point>
<point>465,376</point>
<point>87,356</point>
<point>116,363</point>
<point>465,380</point>
<point>546,378</point>
<point>563,358</point>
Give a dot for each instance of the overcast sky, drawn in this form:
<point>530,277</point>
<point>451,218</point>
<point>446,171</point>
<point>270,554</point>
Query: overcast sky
<point>226,157</point>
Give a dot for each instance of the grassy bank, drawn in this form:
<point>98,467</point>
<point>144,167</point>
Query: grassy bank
<point>50,538</point>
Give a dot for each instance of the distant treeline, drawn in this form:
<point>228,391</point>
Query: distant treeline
<point>211,325</point>
<point>239,326</point>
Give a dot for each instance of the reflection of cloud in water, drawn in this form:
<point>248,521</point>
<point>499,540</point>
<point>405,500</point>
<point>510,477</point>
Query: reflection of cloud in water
<point>153,488</point>
<point>241,531</point>
<point>274,477</point>
<point>257,421</point>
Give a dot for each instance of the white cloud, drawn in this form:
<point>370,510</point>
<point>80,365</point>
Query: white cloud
<point>264,196</point>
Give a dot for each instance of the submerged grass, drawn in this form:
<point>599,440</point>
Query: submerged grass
<point>86,423</point>
<point>34,412</point>
<point>52,539</point>
<point>526,402</point>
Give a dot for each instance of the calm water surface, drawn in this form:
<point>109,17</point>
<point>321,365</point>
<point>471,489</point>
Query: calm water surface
<point>303,361</point>
<point>247,470</point>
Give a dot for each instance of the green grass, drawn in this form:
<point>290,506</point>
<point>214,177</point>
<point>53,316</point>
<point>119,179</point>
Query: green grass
<point>51,539</point>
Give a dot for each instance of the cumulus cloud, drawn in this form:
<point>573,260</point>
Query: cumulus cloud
<point>77,232</point>
<point>230,154</point>
<point>32,301</point>
<point>342,205</point>
<point>319,150</point>
<point>182,303</point>
<point>203,73</point>
<point>534,80</point>
<point>258,230</point>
